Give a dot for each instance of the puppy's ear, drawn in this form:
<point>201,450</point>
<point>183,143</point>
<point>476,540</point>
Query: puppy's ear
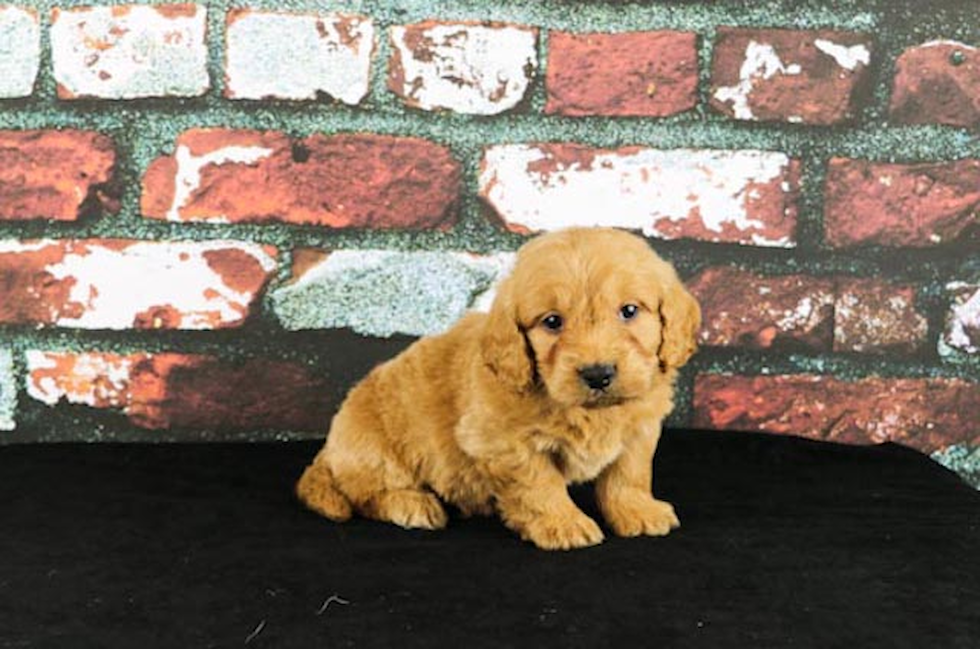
<point>504,347</point>
<point>680,318</point>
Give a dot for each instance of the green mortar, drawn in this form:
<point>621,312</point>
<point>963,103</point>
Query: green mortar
<point>147,128</point>
<point>963,460</point>
<point>418,293</point>
<point>8,390</point>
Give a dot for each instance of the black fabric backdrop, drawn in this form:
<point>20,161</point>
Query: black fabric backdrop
<point>784,543</point>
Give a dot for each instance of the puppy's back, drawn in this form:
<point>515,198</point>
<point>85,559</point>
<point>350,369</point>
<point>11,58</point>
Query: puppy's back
<point>394,431</point>
<point>413,401</point>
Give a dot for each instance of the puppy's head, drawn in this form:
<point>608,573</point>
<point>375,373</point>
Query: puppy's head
<point>592,316</point>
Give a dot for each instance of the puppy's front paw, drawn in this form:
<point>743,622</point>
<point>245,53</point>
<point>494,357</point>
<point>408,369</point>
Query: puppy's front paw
<point>563,531</point>
<point>634,513</point>
<point>409,508</point>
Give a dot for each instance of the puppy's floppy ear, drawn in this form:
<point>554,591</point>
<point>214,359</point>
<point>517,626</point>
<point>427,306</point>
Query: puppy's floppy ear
<point>504,347</point>
<point>680,318</point>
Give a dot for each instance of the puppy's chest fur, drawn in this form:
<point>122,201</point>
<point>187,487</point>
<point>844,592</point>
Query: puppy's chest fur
<point>582,446</point>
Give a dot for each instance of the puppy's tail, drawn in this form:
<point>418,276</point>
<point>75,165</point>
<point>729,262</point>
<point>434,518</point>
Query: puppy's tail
<point>318,491</point>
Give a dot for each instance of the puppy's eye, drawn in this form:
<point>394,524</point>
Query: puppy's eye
<point>628,311</point>
<point>553,322</point>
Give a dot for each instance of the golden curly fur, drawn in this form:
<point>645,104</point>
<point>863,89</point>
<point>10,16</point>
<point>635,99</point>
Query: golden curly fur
<point>567,379</point>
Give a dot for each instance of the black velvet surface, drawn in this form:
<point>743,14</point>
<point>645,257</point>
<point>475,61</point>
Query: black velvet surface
<point>784,543</point>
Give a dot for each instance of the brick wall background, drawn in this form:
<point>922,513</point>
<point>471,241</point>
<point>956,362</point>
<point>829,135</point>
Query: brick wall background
<point>215,217</point>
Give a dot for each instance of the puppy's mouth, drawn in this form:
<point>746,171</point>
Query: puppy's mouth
<point>602,399</point>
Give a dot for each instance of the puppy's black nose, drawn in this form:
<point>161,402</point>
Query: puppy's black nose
<point>598,376</point>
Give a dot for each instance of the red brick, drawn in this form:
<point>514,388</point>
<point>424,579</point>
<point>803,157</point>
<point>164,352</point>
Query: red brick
<point>914,205</point>
<point>123,284</point>
<point>874,315</point>
<point>645,74</point>
<point>808,77</point>
<point>746,196</point>
<point>354,180</point>
<point>744,309</point>
<point>937,83</point>
<point>56,175</point>
<point>171,390</point>
<point>927,414</point>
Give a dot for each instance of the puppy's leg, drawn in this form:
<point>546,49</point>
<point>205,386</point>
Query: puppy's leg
<point>624,489</point>
<point>533,500</point>
<point>409,508</point>
<point>367,470</point>
<point>318,490</point>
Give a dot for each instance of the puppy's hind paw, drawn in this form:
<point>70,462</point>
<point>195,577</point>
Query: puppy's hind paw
<point>555,532</point>
<point>317,490</point>
<point>636,514</point>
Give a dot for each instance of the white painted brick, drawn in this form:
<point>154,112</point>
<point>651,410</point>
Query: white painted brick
<point>963,321</point>
<point>20,51</point>
<point>463,67</point>
<point>761,62</point>
<point>122,284</point>
<point>383,292</point>
<point>130,51</point>
<point>745,197</point>
<point>149,275</point>
<point>96,379</point>
<point>8,390</point>
<point>294,56</point>
<point>847,57</point>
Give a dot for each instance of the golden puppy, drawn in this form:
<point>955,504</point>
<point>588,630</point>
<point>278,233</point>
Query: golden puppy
<point>567,379</point>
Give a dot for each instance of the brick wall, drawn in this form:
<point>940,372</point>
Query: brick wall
<point>214,218</point>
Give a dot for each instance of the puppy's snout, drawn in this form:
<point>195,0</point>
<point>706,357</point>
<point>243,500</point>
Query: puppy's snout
<point>598,376</point>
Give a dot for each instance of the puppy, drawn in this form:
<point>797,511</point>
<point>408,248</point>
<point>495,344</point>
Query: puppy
<point>567,379</point>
